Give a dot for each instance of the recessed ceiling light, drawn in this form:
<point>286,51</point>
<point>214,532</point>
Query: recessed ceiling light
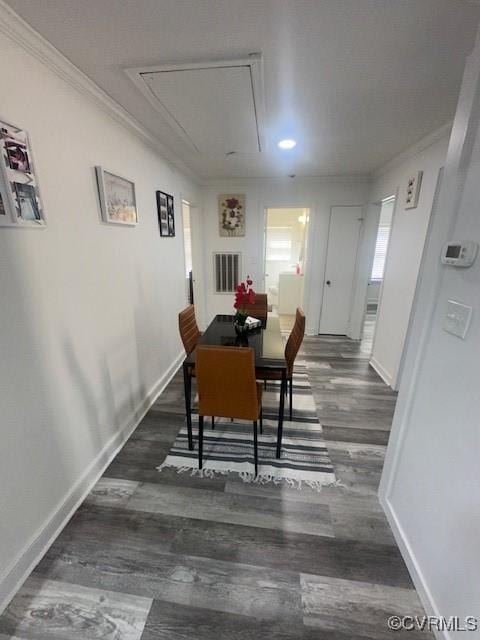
<point>288,143</point>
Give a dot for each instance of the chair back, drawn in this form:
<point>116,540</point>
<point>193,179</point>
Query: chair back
<point>259,308</point>
<point>295,340</point>
<point>226,382</point>
<point>187,325</point>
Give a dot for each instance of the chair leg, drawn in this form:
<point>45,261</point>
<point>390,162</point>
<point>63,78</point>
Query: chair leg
<point>261,420</point>
<point>255,448</point>
<point>291,396</point>
<point>281,410</point>
<point>265,384</point>
<point>200,441</point>
<point>213,419</point>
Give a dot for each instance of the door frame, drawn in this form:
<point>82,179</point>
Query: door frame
<point>357,256</point>
<point>307,269</point>
<point>365,262</point>
<point>393,197</point>
<point>196,236</point>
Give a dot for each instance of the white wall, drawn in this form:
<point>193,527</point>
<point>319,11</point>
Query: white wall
<point>407,239</point>
<point>88,314</point>
<point>318,194</point>
<point>430,482</point>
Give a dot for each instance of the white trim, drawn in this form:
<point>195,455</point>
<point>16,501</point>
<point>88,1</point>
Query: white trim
<point>14,576</point>
<point>322,179</point>
<point>415,149</point>
<point>382,372</point>
<point>392,381</point>
<point>15,28</point>
<point>413,567</point>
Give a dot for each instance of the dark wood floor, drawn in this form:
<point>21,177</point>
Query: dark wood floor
<point>133,562</point>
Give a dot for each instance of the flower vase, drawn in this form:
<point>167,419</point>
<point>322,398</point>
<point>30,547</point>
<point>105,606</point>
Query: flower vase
<point>240,329</point>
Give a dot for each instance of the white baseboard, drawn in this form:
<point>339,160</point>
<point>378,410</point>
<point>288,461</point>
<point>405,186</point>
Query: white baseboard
<point>383,373</point>
<point>413,567</point>
<point>15,575</point>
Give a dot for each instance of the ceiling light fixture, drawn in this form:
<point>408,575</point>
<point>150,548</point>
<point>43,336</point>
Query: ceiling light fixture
<point>288,143</point>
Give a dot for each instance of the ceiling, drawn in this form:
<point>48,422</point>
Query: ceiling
<point>353,81</point>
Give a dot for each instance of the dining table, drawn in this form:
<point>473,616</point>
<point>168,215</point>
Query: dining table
<point>269,351</point>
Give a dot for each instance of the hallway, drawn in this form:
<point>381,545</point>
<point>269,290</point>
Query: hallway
<point>211,578</point>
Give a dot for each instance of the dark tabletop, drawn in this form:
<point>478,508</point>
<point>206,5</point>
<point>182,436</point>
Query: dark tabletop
<point>267,341</point>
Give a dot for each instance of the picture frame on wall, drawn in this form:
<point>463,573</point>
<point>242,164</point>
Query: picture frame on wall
<point>231,215</point>
<point>118,202</point>
<point>20,201</point>
<point>166,214</point>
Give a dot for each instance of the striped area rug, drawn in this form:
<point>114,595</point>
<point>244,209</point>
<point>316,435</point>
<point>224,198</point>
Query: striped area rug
<point>228,448</point>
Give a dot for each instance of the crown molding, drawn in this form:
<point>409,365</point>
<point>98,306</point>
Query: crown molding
<point>15,28</point>
<point>326,179</point>
<point>415,149</point>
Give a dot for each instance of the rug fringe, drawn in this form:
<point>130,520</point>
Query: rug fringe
<point>250,478</point>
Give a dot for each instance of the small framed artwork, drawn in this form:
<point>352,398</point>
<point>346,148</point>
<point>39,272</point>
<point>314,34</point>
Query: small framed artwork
<point>20,202</point>
<point>413,190</point>
<point>231,215</point>
<point>118,201</point>
<point>27,201</point>
<point>166,214</point>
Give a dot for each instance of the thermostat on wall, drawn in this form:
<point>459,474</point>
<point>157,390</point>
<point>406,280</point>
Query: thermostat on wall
<point>459,254</point>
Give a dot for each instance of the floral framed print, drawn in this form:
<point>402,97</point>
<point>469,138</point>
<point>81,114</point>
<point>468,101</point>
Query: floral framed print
<point>20,202</point>
<point>231,215</point>
<point>118,201</point>
<point>166,214</point>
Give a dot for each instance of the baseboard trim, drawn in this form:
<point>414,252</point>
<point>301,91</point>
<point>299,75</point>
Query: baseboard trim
<point>383,373</point>
<point>413,567</point>
<point>15,575</point>
<point>311,331</point>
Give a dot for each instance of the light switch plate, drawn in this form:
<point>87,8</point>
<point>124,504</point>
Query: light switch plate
<point>413,190</point>
<point>457,319</point>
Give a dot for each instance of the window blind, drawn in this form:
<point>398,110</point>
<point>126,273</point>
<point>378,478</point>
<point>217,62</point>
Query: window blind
<point>381,248</point>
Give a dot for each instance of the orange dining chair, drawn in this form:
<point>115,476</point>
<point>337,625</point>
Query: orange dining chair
<point>259,308</point>
<point>187,325</point>
<point>227,388</point>
<point>294,342</point>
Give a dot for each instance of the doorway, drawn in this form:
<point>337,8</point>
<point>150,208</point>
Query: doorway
<point>187,245</point>
<point>375,284</point>
<point>286,233</point>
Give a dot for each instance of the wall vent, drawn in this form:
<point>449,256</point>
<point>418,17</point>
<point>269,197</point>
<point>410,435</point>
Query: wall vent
<point>226,267</point>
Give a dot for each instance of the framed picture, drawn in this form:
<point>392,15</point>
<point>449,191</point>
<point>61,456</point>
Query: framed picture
<point>231,215</point>
<point>118,202</point>
<point>27,201</point>
<point>166,214</point>
<point>20,202</point>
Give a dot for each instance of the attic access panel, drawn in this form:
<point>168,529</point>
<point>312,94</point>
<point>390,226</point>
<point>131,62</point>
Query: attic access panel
<point>217,107</point>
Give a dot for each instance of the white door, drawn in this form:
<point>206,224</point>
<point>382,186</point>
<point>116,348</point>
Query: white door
<point>345,223</point>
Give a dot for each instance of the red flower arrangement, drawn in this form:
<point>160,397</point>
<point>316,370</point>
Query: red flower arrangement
<point>244,296</point>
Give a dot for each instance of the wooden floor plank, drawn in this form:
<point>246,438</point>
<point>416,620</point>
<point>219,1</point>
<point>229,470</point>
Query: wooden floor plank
<point>235,509</point>
<point>50,610</point>
<point>198,558</point>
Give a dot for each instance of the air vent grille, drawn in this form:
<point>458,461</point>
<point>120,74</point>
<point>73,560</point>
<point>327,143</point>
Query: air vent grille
<point>226,271</point>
